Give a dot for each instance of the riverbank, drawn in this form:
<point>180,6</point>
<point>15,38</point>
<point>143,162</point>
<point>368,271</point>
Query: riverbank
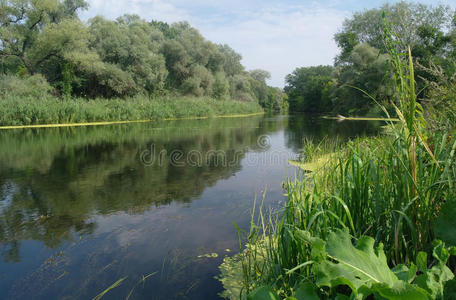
<point>369,219</point>
<point>374,201</point>
<point>50,111</point>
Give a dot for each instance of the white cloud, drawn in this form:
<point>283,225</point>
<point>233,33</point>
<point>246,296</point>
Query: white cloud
<point>274,37</point>
<point>280,40</point>
<point>147,9</point>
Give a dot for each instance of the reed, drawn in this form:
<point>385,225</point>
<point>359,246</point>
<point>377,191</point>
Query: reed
<point>391,187</point>
<point>18,110</point>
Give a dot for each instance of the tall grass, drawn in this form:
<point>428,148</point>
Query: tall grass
<point>391,187</point>
<point>28,110</point>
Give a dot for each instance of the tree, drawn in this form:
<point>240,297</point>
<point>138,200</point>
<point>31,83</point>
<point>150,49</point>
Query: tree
<point>35,31</point>
<point>305,87</point>
<point>220,88</point>
<point>232,60</point>
<point>365,69</point>
<point>259,86</point>
<point>133,46</point>
<point>118,58</point>
<point>406,19</point>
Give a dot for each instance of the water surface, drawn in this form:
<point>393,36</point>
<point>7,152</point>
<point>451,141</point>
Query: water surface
<point>81,208</point>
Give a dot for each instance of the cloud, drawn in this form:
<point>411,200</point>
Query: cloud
<point>279,39</point>
<point>147,9</point>
<point>270,36</point>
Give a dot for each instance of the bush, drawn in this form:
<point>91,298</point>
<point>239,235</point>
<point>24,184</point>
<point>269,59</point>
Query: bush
<point>32,86</point>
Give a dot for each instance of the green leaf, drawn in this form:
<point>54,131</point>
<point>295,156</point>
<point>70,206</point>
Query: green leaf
<point>440,252</point>
<point>453,251</point>
<point>421,261</point>
<point>433,281</point>
<point>263,293</point>
<point>318,252</point>
<point>363,262</point>
<point>306,291</point>
<point>405,273</point>
<point>362,268</point>
<point>401,290</point>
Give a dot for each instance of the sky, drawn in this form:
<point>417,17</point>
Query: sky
<point>277,36</point>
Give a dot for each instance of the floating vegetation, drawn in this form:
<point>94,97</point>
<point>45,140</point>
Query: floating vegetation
<point>208,255</point>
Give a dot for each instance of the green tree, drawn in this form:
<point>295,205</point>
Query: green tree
<point>36,31</point>
<point>133,46</point>
<point>221,86</point>
<point>406,19</point>
<point>365,69</point>
<point>232,60</point>
<point>305,87</point>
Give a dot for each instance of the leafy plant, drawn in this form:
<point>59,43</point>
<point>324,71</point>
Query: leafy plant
<point>363,268</point>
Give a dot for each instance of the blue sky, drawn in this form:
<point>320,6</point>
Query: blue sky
<point>276,36</point>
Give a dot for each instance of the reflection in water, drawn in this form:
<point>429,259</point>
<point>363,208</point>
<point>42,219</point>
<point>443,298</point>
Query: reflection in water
<point>82,207</point>
<point>302,127</point>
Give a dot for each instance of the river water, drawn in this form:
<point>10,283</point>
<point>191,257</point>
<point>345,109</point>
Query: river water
<point>81,208</point>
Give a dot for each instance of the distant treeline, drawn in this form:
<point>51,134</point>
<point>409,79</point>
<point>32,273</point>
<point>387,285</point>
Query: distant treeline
<point>122,58</point>
<point>361,70</point>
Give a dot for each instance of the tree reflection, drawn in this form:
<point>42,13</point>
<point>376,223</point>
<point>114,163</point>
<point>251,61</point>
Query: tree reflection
<point>54,180</point>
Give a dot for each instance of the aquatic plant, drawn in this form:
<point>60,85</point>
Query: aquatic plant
<point>392,187</point>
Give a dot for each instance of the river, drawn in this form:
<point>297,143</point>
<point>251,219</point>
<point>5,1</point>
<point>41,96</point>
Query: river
<point>81,208</point>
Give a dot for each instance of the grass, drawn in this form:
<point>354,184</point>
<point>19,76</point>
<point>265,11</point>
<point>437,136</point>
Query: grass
<point>392,187</point>
<point>19,110</point>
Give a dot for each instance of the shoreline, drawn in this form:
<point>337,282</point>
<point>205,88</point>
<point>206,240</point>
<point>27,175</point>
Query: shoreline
<point>104,123</point>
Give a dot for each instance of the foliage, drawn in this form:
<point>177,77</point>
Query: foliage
<point>363,60</point>
<point>27,110</point>
<point>407,18</point>
<point>367,70</point>
<point>127,57</point>
<point>34,32</point>
<point>30,86</point>
<point>363,268</point>
<point>307,89</point>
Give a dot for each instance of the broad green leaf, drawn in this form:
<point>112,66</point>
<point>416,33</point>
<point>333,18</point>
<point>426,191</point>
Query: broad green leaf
<point>306,291</point>
<point>362,261</point>
<point>401,290</point>
<point>263,293</point>
<point>362,268</point>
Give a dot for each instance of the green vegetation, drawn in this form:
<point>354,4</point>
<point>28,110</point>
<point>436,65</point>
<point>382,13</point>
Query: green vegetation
<point>46,52</point>
<point>393,195</point>
<point>363,61</point>
<point>17,110</point>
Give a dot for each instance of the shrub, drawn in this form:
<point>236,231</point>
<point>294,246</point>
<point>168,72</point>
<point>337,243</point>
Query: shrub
<point>32,86</point>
